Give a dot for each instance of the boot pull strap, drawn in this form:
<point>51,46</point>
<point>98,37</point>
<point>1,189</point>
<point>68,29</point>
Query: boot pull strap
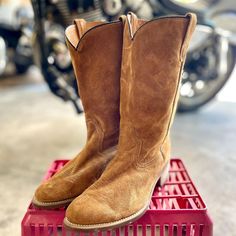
<point>81,26</point>
<point>72,36</point>
<point>132,23</point>
<point>76,31</point>
<point>122,18</point>
<point>189,32</point>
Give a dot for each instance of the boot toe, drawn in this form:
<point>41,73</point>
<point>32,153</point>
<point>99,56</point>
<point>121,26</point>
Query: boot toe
<point>51,194</point>
<point>45,193</point>
<point>87,211</point>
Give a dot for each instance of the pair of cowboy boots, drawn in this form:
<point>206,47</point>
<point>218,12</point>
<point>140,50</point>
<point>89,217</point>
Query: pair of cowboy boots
<point>128,72</point>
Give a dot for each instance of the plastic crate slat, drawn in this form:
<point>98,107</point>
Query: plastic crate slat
<point>171,177</point>
<point>153,231</point>
<point>25,230</point>
<point>191,188</point>
<point>179,177</point>
<point>166,204</point>
<point>98,233</point>
<point>152,204</point>
<point>180,165</point>
<point>133,230</point>
<point>192,203</point>
<point>185,190</point>
<point>177,189</point>
<point>176,170</point>
<point>188,230</point>
<point>174,204</point>
<point>178,182</point>
<point>179,230</point>
<point>170,190</point>
<point>126,231</point>
<point>170,230</point>
<point>197,230</point>
<point>162,232</point>
<point>37,230</point>
<point>201,205</point>
<point>55,230</point>
<point>158,203</point>
<point>176,196</point>
<point>63,231</point>
<point>186,177</point>
<point>117,232</point>
<point>174,166</point>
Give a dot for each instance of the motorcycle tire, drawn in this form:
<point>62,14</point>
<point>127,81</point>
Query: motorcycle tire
<point>191,106</point>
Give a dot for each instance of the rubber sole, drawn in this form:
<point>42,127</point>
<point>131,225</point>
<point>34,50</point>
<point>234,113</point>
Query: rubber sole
<point>115,224</point>
<point>51,205</point>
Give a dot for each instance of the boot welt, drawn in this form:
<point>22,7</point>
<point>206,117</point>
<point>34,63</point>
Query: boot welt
<point>51,205</point>
<point>121,222</point>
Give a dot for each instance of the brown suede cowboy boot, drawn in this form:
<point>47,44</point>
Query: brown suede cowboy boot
<point>95,50</point>
<point>153,57</point>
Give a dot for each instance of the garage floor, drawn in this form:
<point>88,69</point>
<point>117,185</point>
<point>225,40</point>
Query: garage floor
<point>36,128</point>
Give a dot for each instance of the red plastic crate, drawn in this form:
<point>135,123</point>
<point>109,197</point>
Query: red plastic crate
<point>176,209</point>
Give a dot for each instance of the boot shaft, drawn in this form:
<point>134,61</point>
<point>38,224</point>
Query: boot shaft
<point>152,63</point>
<point>96,50</point>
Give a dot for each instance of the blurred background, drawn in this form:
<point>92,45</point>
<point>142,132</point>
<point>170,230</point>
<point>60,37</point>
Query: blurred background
<point>41,116</point>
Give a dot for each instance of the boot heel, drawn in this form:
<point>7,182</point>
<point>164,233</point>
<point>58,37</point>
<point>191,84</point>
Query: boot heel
<point>164,175</point>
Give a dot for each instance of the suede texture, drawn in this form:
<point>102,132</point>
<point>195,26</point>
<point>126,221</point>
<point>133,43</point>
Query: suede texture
<point>152,62</point>
<point>95,50</point>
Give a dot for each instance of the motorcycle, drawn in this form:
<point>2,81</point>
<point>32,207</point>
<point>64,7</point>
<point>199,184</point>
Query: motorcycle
<point>209,63</point>
<point>15,38</point>
<point>51,19</point>
<point>212,53</point>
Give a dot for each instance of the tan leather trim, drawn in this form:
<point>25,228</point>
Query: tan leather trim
<point>83,26</point>
<point>72,36</point>
<point>80,27</point>
<point>189,32</point>
<point>134,28</point>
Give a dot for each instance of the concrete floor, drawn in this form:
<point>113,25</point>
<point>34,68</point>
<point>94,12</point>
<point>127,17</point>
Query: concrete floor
<point>36,128</point>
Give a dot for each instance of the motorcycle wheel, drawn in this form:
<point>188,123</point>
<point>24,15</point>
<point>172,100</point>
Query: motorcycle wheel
<point>206,72</point>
